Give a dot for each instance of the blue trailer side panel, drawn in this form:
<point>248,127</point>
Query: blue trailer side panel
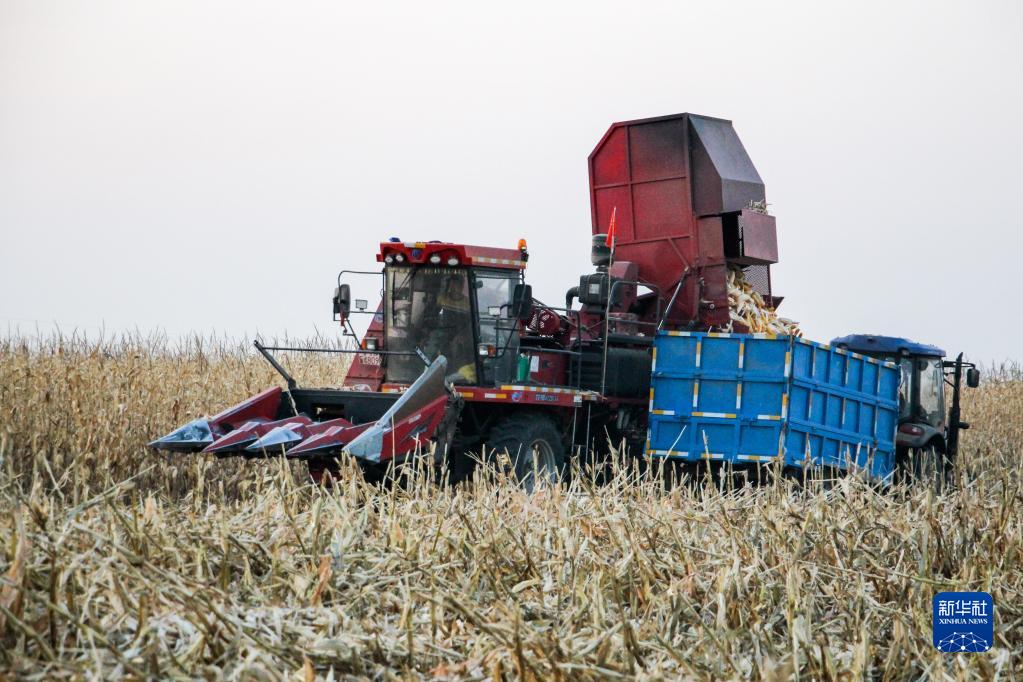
<point>843,409</point>
<point>757,397</point>
<point>717,396</point>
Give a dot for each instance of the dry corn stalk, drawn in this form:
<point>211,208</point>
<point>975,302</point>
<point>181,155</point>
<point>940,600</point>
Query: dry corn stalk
<point>127,570</point>
<point>747,307</point>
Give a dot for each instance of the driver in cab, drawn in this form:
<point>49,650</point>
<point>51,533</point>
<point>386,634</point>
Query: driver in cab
<point>452,332</point>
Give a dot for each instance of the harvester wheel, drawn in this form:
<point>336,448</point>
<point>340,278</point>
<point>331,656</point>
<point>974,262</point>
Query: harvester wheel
<point>928,465</point>
<point>534,445</point>
<point>328,471</point>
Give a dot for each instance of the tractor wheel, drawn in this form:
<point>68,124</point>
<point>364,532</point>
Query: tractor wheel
<point>533,444</point>
<point>928,465</point>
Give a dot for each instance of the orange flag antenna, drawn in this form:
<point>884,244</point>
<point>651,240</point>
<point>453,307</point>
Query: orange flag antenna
<point>610,241</point>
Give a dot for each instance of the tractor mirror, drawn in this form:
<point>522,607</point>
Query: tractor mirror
<point>522,301</point>
<point>342,302</point>
<point>973,377</point>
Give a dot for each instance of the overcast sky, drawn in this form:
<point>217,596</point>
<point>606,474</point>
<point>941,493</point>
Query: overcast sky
<point>212,165</point>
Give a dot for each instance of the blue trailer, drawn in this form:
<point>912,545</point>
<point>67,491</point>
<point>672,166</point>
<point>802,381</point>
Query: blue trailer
<point>759,398</point>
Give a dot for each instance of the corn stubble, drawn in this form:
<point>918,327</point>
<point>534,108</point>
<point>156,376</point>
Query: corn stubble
<point>117,562</point>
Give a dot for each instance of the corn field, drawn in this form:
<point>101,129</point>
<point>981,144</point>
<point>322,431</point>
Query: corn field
<point>119,562</point>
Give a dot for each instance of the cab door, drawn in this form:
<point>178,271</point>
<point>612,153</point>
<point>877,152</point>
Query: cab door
<point>498,335</point>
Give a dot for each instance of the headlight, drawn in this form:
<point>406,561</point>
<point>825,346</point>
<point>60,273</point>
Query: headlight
<point>388,259</point>
<point>453,260</point>
<point>399,258</point>
<point>435,259</point>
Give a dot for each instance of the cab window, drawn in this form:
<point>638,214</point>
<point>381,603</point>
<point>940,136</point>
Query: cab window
<point>428,309</point>
<point>494,290</point>
<point>932,391</point>
<point>908,367</point>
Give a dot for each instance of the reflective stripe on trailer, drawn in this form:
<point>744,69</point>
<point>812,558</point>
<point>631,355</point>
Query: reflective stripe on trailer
<point>668,453</point>
<point>757,458</point>
<point>711,455</point>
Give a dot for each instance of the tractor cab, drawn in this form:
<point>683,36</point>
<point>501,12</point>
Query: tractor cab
<point>924,420</point>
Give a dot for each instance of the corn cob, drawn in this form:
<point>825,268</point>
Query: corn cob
<point>748,308</point>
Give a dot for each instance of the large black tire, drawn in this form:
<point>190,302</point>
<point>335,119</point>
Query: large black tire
<point>324,470</point>
<point>534,446</point>
<point>927,465</point>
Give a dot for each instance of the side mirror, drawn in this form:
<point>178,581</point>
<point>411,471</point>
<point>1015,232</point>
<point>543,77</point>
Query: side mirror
<point>342,302</point>
<point>522,301</point>
<point>973,377</point>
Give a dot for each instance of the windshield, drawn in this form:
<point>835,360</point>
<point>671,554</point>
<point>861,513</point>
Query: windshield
<point>932,392</point>
<point>428,309</point>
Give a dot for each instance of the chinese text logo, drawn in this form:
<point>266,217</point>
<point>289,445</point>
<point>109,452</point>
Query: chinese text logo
<point>964,622</point>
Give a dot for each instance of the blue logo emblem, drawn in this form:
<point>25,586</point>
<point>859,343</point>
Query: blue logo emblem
<point>964,622</point>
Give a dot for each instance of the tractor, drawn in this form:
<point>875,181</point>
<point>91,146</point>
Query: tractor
<point>927,438</point>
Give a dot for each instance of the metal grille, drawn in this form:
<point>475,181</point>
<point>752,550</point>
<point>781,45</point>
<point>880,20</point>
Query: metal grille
<point>759,277</point>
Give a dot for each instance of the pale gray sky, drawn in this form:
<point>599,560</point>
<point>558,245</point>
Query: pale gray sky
<point>212,165</point>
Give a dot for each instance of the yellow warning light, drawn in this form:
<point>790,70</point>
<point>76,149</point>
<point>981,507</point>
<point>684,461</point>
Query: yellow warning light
<point>522,245</point>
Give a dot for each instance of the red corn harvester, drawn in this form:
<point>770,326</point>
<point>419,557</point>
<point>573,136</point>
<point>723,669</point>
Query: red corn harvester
<point>460,358</point>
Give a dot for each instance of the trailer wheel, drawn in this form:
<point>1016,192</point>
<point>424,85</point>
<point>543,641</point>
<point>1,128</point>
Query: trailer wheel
<point>928,465</point>
<point>534,445</point>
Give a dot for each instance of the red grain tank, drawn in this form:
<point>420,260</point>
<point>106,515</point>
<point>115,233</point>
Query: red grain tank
<point>688,203</point>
